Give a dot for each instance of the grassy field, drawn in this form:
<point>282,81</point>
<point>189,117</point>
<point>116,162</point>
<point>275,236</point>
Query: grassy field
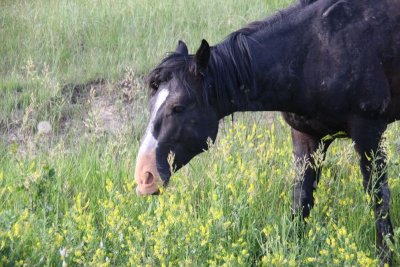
<point>67,197</point>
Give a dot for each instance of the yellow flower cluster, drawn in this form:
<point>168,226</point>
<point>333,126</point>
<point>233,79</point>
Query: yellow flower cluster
<point>229,207</point>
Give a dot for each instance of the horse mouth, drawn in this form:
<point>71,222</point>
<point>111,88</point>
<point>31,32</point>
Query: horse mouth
<point>151,192</point>
<point>150,183</point>
<point>147,177</point>
<point>152,188</point>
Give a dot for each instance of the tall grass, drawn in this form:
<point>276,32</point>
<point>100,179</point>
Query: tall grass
<point>68,198</point>
<point>231,206</point>
<point>80,40</point>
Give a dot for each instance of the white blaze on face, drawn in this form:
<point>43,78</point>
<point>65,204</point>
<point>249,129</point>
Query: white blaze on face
<point>146,174</point>
<point>149,143</point>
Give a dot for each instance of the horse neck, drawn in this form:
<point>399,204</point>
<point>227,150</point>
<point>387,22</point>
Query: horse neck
<point>232,75</point>
<point>260,71</point>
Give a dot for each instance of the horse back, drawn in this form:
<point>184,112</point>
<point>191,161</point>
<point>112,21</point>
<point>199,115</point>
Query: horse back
<point>352,65</point>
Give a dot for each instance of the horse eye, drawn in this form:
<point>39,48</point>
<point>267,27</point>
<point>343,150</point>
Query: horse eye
<point>178,109</point>
<point>154,86</point>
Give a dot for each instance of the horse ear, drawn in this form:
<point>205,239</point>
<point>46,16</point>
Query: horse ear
<point>202,57</point>
<point>182,48</point>
<point>338,15</point>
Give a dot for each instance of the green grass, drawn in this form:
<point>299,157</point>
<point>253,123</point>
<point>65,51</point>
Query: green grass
<point>69,198</point>
<point>87,39</point>
<point>78,41</point>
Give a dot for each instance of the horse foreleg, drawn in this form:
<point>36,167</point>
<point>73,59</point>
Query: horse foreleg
<point>307,171</point>
<point>367,135</point>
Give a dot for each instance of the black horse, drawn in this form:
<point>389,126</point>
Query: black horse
<point>329,65</point>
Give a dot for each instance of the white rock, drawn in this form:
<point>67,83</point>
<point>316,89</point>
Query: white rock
<point>44,127</point>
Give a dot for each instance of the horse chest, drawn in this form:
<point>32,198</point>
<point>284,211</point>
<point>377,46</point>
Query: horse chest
<point>394,83</point>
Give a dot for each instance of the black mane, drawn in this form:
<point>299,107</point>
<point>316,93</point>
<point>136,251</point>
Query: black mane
<point>232,59</point>
<point>230,68</point>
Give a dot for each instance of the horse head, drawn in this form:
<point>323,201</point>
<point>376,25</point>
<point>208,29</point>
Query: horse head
<point>182,120</point>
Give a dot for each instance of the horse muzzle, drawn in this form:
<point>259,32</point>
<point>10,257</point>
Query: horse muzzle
<point>147,178</point>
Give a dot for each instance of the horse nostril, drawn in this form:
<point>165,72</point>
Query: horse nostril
<point>148,178</point>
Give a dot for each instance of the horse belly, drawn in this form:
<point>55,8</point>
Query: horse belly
<point>318,125</point>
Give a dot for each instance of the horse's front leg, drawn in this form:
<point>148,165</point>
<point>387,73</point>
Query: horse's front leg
<point>307,170</point>
<point>367,135</point>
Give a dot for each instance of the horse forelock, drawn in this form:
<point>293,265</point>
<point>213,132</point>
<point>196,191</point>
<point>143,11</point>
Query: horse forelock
<point>172,64</point>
